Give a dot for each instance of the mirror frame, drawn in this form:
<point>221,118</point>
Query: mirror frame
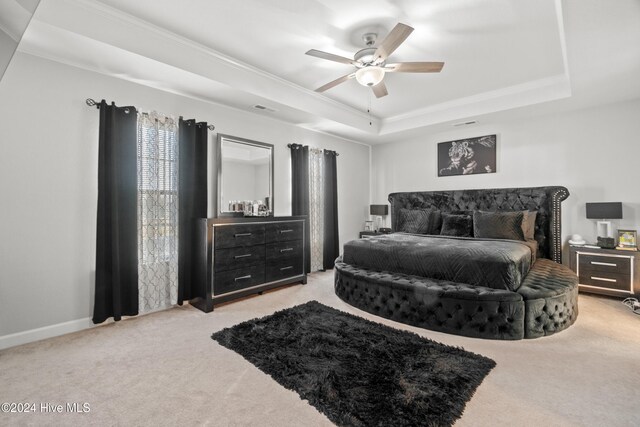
<point>219,171</point>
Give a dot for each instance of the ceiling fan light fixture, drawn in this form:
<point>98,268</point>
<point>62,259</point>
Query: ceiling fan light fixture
<point>371,62</point>
<point>370,76</point>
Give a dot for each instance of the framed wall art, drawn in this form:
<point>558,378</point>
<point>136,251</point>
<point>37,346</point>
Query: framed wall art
<point>468,156</point>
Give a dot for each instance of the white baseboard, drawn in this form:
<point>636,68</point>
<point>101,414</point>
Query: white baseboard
<point>38,334</point>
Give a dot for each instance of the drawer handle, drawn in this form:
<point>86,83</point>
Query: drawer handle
<point>241,256</point>
<point>242,234</point>
<point>604,279</point>
<point>608,264</point>
<point>286,268</point>
<point>285,231</point>
<point>248,276</point>
<point>286,250</point>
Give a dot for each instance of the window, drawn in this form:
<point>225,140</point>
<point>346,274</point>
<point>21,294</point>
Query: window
<point>157,211</point>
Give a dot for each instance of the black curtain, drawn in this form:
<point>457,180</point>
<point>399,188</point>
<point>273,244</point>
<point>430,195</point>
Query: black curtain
<point>116,291</point>
<point>300,193</point>
<point>331,248</point>
<point>192,193</point>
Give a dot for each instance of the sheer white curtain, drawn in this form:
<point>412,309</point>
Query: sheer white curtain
<point>157,211</point>
<point>316,208</point>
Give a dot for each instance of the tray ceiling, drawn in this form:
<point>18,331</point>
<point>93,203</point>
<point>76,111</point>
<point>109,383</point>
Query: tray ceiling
<point>498,54</point>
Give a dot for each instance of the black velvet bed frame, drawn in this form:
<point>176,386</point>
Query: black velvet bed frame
<point>545,200</point>
<point>546,302</point>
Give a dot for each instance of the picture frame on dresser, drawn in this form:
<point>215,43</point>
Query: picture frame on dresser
<point>627,240</point>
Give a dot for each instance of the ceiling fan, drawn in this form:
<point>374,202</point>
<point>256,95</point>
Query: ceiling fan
<point>371,62</point>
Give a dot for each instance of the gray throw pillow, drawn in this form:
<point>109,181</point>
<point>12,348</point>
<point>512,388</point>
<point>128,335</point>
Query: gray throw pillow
<point>529,224</point>
<point>419,221</point>
<point>457,225</point>
<point>498,225</point>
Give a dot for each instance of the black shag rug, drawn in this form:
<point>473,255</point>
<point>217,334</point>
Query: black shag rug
<point>358,372</point>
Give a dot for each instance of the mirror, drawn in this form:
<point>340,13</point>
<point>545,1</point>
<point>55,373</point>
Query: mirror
<point>245,177</point>
<point>15,16</point>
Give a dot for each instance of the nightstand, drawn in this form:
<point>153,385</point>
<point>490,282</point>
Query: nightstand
<point>606,271</point>
<point>366,234</point>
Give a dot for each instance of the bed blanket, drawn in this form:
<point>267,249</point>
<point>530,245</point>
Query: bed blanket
<point>493,263</point>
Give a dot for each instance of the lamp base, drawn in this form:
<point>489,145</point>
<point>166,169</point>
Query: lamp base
<point>604,228</point>
<point>378,223</point>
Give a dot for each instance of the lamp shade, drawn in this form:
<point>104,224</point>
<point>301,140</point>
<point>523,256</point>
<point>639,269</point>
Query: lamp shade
<point>379,209</point>
<point>606,210</point>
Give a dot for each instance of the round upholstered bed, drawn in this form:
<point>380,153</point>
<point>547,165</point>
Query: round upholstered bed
<point>545,303</point>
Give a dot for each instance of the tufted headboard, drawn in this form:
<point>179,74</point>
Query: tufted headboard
<point>545,200</point>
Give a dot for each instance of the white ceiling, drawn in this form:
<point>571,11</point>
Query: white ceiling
<point>499,55</point>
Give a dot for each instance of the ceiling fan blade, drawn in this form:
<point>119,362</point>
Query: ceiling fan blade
<point>414,67</point>
<point>380,90</point>
<point>330,57</point>
<point>394,39</point>
<point>336,82</point>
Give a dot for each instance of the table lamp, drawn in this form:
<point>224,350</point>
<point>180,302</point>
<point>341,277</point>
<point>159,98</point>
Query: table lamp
<point>378,211</point>
<point>603,212</point>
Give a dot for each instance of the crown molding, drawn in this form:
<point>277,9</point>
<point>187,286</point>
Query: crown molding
<point>105,24</point>
<point>113,13</point>
<point>533,92</point>
<point>89,19</point>
<point>29,49</point>
<point>530,86</point>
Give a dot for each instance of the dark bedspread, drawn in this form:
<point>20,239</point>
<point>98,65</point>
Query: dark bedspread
<point>493,263</point>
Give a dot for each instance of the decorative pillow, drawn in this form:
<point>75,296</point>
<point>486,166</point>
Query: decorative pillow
<point>529,224</point>
<point>498,225</point>
<point>457,225</point>
<point>419,221</point>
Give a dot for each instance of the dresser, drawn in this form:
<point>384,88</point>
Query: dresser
<point>241,256</point>
<point>606,271</point>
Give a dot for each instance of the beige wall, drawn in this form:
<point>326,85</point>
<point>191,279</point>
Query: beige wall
<point>595,153</point>
<point>48,183</point>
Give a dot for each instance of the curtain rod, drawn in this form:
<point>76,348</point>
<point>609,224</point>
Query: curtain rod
<point>313,148</point>
<point>91,103</point>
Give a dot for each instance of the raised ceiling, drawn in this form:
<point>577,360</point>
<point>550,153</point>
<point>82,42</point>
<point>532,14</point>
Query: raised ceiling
<point>498,54</point>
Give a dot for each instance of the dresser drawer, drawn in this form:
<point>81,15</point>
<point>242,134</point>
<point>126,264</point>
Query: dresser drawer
<point>288,267</point>
<point>277,252</point>
<point>607,280</point>
<point>235,258</point>
<point>232,236</point>
<point>284,231</point>
<point>234,280</point>
<point>603,263</point>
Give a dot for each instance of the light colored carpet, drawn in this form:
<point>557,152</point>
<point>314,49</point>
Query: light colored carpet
<point>164,369</point>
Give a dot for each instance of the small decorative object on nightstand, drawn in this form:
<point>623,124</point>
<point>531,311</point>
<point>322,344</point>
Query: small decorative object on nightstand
<point>606,271</point>
<point>577,240</point>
